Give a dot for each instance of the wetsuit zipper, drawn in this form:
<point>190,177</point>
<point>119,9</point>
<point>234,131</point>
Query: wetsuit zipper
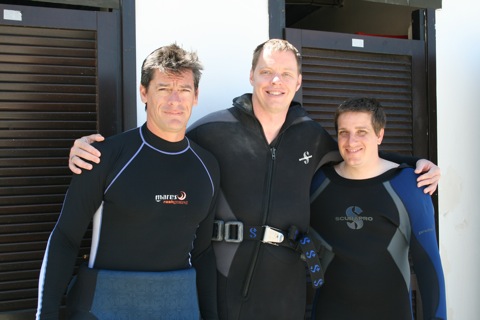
<point>251,270</point>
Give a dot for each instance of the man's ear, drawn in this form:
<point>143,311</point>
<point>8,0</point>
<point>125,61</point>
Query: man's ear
<point>197,93</point>
<point>299,82</point>
<point>143,93</point>
<point>380,136</point>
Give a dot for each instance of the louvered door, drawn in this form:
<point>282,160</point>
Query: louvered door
<point>341,66</point>
<point>50,89</point>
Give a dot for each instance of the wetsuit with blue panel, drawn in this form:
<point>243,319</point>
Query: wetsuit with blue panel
<point>372,226</point>
<point>152,204</point>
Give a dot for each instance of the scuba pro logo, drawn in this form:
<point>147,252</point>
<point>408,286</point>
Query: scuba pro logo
<point>179,198</point>
<point>353,218</point>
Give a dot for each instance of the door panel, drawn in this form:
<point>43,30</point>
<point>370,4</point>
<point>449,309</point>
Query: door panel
<point>54,75</point>
<point>339,66</point>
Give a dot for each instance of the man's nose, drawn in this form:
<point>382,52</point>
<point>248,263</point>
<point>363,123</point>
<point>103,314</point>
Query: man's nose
<point>276,77</point>
<point>352,138</point>
<point>174,97</point>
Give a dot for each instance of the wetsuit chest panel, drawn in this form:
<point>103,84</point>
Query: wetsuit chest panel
<point>163,198</point>
<point>360,228</point>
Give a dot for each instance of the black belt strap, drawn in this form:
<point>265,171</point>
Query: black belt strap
<point>292,239</point>
<point>236,231</point>
<point>312,260</point>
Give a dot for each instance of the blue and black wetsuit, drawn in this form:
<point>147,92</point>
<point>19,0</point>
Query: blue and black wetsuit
<point>153,206</point>
<point>372,226</point>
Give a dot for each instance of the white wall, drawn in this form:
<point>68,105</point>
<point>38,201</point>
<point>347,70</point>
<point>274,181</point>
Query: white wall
<point>223,32</point>
<point>458,68</point>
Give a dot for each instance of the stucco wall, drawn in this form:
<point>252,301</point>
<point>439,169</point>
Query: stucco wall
<point>458,73</point>
<point>224,34</point>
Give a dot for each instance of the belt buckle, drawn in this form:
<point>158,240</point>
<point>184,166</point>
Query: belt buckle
<point>218,226</point>
<point>228,231</point>
<point>272,236</point>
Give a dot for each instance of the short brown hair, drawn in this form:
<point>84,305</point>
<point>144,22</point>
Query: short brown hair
<point>276,45</point>
<point>364,104</point>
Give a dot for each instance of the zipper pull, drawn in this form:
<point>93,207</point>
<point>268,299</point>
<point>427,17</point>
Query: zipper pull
<point>273,150</point>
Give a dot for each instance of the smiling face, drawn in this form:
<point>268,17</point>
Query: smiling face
<point>275,80</point>
<point>169,99</point>
<point>357,140</point>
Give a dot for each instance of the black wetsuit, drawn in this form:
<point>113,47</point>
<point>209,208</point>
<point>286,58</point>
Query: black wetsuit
<point>372,225</point>
<point>262,184</point>
<point>156,201</point>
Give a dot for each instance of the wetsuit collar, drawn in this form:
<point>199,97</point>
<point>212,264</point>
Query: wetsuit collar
<point>243,108</point>
<point>161,144</point>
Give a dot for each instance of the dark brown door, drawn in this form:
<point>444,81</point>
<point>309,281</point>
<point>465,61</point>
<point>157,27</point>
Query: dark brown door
<point>57,67</point>
<point>339,66</point>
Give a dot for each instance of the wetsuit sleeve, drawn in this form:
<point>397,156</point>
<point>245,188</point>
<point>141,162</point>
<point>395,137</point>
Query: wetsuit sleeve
<point>203,259</point>
<point>399,158</point>
<point>327,147</point>
<point>82,199</point>
<point>207,283</point>
<point>424,249</point>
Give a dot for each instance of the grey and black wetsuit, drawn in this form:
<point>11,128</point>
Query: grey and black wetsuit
<point>372,226</point>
